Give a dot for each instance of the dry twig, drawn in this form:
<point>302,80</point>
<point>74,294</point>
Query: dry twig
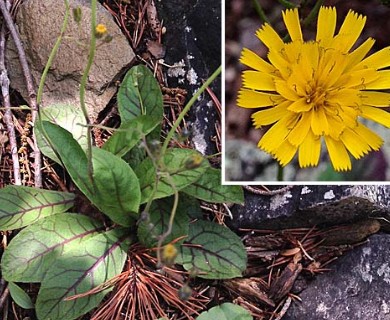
<point>4,297</point>
<point>4,83</point>
<point>143,293</point>
<point>267,192</point>
<point>30,87</point>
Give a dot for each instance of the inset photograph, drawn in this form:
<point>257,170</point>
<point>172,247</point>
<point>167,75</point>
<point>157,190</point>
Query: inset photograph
<point>306,91</point>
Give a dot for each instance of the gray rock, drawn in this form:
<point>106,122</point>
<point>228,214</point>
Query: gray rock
<point>193,41</point>
<point>39,25</point>
<point>245,162</point>
<point>241,155</point>
<point>358,288</point>
<point>306,206</point>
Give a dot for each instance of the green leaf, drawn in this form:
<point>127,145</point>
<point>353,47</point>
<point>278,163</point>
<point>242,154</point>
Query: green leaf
<point>79,270</point>
<point>139,94</point>
<point>135,156</point>
<point>157,224</point>
<point>208,188</point>
<point>114,189</point>
<point>66,116</point>
<point>21,206</point>
<point>213,250</point>
<point>129,134</point>
<point>34,249</point>
<point>226,311</point>
<point>72,156</point>
<point>118,192</point>
<point>191,205</point>
<point>20,297</point>
<point>176,171</point>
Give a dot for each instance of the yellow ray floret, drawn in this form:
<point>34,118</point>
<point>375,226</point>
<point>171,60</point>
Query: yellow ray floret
<point>291,20</point>
<point>338,154</point>
<point>310,150</point>
<point>349,32</point>
<point>269,37</point>
<point>310,92</point>
<point>374,98</point>
<point>256,99</point>
<point>378,60</point>
<point>326,25</point>
<point>252,60</point>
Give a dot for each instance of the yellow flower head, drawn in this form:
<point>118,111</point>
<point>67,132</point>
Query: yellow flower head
<point>100,30</point>
<point>311,90</point>
<point>169,254</point>
<point>194,161</point>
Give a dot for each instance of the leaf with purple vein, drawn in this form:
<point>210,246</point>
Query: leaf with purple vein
<point>80,269</point>
<point>214,251</point>
<point>21,206</point>
<point>34,249</point>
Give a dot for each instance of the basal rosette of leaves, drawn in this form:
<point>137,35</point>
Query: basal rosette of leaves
<point>70,254</point>
<point>317,90</point>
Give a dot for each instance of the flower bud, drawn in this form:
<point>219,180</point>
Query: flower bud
<point>108,38</point>
<point>77,14</point>
<point>194,161</point>
<point>100,30</point>
<point>169,254</point>
<point>185,292</point>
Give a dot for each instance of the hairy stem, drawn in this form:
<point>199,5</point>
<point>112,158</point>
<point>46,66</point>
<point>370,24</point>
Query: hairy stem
<point>53,52</point>
<point>171,219</point>
<point>160,165</point>
<point>188,106</point>
<point>280,173</point>
<point>260,11</point>
<point>287,4</point>
<point>83,83</point>
<point>46,70</point>
<point>313,13</point>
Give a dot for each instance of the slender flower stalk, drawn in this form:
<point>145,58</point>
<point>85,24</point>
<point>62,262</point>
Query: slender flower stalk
<point>319,90</point>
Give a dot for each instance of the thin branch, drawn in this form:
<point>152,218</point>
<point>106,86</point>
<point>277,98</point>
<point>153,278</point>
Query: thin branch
<point>30,87</point>
<point>4,297</point>
<point>267,192</point>
<point>4,83</point>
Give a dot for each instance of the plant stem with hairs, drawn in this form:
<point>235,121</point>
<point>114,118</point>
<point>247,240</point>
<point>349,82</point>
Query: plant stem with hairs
<point>53,52</point>
<point>260,11</point>
<point>313,13</point>
<point>188,106</point>
<point>91,55</point>
<point>287,4</point>
<point>160,165</point>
